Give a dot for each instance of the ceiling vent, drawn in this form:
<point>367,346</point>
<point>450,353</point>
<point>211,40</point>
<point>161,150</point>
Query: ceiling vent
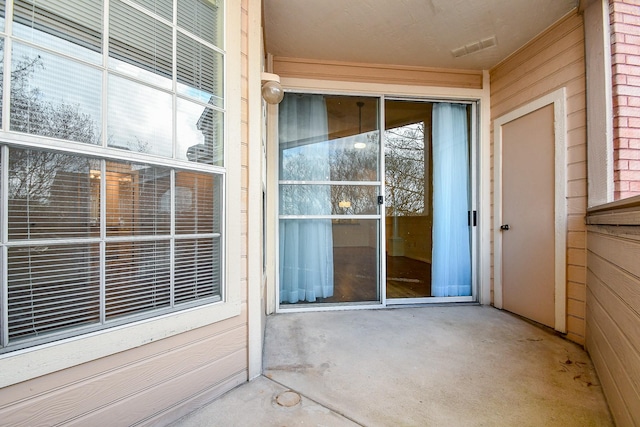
<point>475,47</point>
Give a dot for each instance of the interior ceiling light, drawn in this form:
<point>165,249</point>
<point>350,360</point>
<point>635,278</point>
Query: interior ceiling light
<point>475,47</point>
<point>359,144</point>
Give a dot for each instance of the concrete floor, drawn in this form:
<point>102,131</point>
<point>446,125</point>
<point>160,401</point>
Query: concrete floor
<point>431,366</point>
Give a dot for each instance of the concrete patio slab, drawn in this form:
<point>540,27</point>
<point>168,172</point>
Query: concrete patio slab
<point>423,366</point>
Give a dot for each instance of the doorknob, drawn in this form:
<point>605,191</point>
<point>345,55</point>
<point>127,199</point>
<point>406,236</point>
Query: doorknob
<point>504,227</point>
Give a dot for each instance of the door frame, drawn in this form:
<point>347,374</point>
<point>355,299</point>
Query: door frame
<point>474,185</point>
<point>558,100</point>
<point>385,90</point>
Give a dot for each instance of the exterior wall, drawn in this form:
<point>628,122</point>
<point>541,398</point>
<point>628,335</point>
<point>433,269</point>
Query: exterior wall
<point>553,60</point>
<point>613,305</point>
<point>156,383</point>
<point>387,74</point>
<point>625,62</point>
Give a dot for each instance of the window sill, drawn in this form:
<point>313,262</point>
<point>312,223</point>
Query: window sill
<point>621,212</point>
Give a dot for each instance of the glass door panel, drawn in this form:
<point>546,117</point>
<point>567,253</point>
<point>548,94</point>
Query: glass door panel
<point>408,185</point>
<point>329,212</point>
<point>428,199</point>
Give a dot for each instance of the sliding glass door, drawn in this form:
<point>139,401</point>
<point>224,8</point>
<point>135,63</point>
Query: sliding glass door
<point>336,173</point>
<point>329,212</point>
<point>429,217</point>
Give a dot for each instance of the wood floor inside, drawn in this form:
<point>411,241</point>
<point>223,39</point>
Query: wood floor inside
<point>356,274</point>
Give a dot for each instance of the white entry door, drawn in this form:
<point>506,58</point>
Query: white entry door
<point>528,248</point>
<point>530,216</point>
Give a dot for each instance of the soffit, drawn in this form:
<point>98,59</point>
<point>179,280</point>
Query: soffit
<point>406,32</point>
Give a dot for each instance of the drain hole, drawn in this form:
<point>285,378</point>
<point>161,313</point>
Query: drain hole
<point>288,399</point>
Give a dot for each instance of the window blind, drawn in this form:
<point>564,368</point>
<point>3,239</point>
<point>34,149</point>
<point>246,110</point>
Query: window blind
<point>137,277</point>
<point>199,67</point>
<point>94,241</point>
<point>163,8</point>
<point>75,21</point>
<point>57,203</point>
<point>202,18</point>
<point>139,40</point>
<point>52,287</point>
<point>49,195</point>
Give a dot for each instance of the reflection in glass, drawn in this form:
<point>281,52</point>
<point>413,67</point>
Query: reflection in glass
<point>345,160</point>
<point>54,96</point>
<point>198,203</point>
<point>199,71</point>
<point>327,138</point>
<point>406,177</point>
<point>351,275</point>
<point>302,199</point>
<point>49,195</point>
<point>140,45</point>
<point>427,199</point>
<point>408,198</point>
<point>144,126</point>
<point>133,194</point>
<point>92,238</point>
<point>199,133</point>
<point>346,149</point>
<point>58,26</point>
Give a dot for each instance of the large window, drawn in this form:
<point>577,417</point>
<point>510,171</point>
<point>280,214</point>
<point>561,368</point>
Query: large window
<point>112,163</point>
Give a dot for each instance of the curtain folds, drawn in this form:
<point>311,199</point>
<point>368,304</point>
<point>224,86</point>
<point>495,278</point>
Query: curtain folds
<point>451,259</point>
<point>306,244</point>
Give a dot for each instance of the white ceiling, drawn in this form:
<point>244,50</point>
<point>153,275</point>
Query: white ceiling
<point>406,32</point>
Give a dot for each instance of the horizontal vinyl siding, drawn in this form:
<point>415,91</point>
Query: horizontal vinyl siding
<point>128,387</point>
<point>613,308</point>
<point>613,315</point>
<point>372,73</point>
<point>154,384</point>
<point>553,60</point>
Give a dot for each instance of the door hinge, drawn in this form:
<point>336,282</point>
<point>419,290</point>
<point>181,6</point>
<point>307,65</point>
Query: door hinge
<point>472,218</point>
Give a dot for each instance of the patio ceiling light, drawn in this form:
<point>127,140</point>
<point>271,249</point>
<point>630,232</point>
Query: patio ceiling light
<point>272,91</point>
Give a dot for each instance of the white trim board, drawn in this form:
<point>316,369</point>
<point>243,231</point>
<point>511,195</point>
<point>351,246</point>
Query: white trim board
<point>558,99</point>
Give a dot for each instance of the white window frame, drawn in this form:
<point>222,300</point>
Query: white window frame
<point>25,364</point>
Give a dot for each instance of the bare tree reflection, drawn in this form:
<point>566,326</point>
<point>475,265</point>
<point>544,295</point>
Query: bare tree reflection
<point>31,113</point>
<point>405,176</point>
<point>405,170</point>
<point>33,173</point>
<point>343,162</point>
<point>46,189</point>
<point>355,164</point>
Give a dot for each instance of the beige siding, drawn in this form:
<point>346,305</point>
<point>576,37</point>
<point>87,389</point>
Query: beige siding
<point>134,385</point>
<point>371,73</point>
<point>613,307</point>
<point>153,384</point>
<point>553,60</point>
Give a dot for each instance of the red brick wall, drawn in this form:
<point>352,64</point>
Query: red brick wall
<point>625,61</point>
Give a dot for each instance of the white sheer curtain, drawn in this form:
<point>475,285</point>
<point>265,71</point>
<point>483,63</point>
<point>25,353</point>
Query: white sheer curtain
<point>451,259</point>
<point>306,245</point>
